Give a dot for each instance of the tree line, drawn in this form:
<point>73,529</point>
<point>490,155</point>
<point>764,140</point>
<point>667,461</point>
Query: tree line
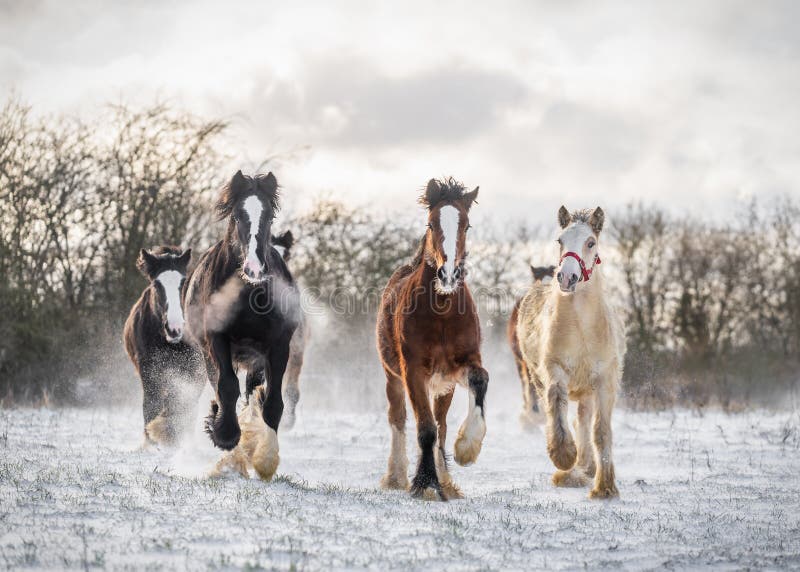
<point>713,307</point>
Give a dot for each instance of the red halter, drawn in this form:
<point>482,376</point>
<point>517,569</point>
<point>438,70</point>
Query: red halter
<point>586,273</point>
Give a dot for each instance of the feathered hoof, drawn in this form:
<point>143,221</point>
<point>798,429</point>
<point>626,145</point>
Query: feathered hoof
<point>429,494</point>
<point>161,431</point>
<point>470,438</point>
<point>234,462</point>
<point>427,487</point>
<point>451,491</point>
<point>394,482</point>
<point>265,455</point>
<point>563,454</point>
<point>575,478</point>
<point>604,492</point>
<point>222,429</point>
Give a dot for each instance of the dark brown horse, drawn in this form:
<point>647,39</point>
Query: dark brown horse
<point>428,338</point>
<point>530,401</point>
<point>242,308</point>
<point>153,336</point>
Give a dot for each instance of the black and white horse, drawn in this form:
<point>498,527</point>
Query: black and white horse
<point>153,337</point>
<point>242,308</point>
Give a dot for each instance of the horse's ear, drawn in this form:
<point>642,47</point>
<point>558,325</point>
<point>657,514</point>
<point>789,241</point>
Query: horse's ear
<point>146,263</point>
<point>470,197</point>
<point>238,181</point>
<point>433,192</point>
<point>185,258</point>
<point>563,217</point>
<point>597,219</point>
<point>270,183</point>
<point>534,271</point>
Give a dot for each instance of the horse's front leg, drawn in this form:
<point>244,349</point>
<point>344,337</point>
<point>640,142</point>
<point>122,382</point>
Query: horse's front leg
<point>425,483</point>
<point>604,480</point>
<point>221,424</point>
<point>472,431</point>
<point>560,444</point>
<point>265,450</point>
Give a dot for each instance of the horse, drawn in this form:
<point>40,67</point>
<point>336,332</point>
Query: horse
<point>153,338</point>
<point>242,307</point>
<point>530,404</point>
<point>428,338</point>
<point>573,341</point>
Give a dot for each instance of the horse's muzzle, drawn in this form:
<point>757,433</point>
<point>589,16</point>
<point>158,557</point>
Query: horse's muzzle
<point>173,335</point>
<point>567,281</point>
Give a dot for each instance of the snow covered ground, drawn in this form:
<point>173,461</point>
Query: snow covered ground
<point>75,492</point>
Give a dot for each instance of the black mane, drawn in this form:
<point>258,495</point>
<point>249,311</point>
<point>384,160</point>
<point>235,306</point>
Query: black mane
<point>448,190</point>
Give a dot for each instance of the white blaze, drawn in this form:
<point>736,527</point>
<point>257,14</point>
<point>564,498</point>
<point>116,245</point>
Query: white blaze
<point>171,282</point>
<point>448,220</point>
<point>253,208</point>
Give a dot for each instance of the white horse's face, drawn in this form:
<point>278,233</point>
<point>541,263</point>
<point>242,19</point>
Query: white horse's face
<point>579,246</point>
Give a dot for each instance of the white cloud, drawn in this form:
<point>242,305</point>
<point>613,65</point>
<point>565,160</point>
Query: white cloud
<point>688,104</point>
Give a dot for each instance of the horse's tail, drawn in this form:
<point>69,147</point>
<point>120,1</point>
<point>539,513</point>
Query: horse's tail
<point>259,441</point>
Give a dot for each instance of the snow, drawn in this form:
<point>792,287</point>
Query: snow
<point>76,491</point>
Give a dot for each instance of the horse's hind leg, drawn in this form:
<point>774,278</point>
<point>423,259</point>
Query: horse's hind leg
<point>604,480</point>
<point>254,378</point>
<point>291,385</point>
<point>472,431</point>
<point>396,476</point>
<point>560,444</point>
<point>581,474</point>
<point>441,405</point>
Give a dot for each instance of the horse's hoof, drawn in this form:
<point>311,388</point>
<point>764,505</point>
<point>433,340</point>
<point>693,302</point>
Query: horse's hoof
<point>563,454</point>
<point>451,491</point>
<point>427,487</point>
<point>429,494</point>
<point>392,482</point>
<point>604,492</point>
<point>265,455</point>
<point>572,478</point>
<point>222,429</point>
<point>231,463</point>
<point>470,438</point>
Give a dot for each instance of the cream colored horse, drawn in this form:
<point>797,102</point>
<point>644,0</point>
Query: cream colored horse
<point>573,341</point>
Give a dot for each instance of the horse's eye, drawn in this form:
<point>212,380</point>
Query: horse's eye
<point>591,244</point>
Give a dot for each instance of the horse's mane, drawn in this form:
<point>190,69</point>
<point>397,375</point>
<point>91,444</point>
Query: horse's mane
<point>232,192</point>
<point>449,190</point>
<point>419,256</point>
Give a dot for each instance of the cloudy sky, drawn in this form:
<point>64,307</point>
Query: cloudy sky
<point>694,105</point>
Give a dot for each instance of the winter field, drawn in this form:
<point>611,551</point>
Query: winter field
<point>714,490</point>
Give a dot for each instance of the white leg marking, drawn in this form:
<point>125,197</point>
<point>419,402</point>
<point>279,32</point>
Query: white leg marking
<point>470,434</point>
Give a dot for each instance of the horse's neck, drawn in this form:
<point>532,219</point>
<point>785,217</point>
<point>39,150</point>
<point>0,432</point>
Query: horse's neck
<point>586,305</point>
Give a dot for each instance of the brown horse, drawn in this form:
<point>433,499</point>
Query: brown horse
<point>528,417</point>
<point>429,340</point>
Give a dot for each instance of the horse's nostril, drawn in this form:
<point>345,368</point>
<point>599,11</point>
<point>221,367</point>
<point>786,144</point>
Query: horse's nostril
<point>560,276</point>
<point>440,273</point>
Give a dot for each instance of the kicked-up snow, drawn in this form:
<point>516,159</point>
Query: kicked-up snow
<point>77,492</point>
